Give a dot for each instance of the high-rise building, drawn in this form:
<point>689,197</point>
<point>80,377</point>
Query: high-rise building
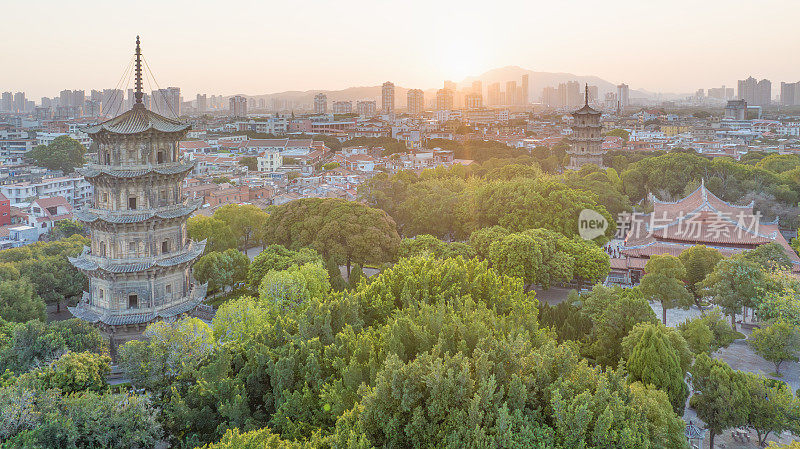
<point>587,137</point>
<point>167,101</point>
<point>342,107</point>
<point>444,100</point>
<point>451,85</point>
<point>202,103</point>
<point>416,101</point>
<point>477,87</point>
<point>624,95</point>
<point>78,99</point>
<point>511,92</point>
<point>526,94</point>
<point>790,94</point>
<point>320,103</point>
<point>140,258</point>
<point>493,94</point>
<point>7,102</point>
<point>755,93</point>
<point>473,101</point>
<point>571,94</point>
<point>764,93</point>
<point>112,101</point>
<point>550,97</point>
<point>387,98</point>
<point>19,102</point>
<point>238,106</point>
<point>366,108</point>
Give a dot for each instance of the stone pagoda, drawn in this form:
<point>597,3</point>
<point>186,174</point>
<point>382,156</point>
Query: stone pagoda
<point>139,263</point>
<point>587,138</point>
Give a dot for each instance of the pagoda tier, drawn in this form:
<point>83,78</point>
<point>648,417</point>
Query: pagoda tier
<point>108,319</point>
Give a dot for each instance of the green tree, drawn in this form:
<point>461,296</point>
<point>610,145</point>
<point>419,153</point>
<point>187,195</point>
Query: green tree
<point>614,312</point>
<point>63,153</point>
<point>735,283</point>
<point>769,256</point>
<point>67,228</point>
<point>483,238</point>
<point>250,162</point>
<point>215,269</point>
<point>356,275</point>
<point>74,372</point>
<point>708,333</point>
<point>699,261</point>
<point>278,257</point>
<point>658,356</point>
<point>218,234</point>
<point>532,256</point>
<point>245,221</point>
<point>777,342</point>
<point>19,302</point>
<point>169,350</point>
<point>625,135</point>
<point>771,408</point>
<point>662,282</point>
<point>349,232</point>
<point>720,395</point>
<point>295,285</point>
<point>26,345</point>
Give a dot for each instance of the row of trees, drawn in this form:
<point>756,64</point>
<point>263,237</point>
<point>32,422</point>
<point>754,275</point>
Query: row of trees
<point>453,203</point>
<point>431,351</point>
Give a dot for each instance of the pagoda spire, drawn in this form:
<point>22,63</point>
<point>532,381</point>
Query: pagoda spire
<point>586,95</point>
<point>138,95</point>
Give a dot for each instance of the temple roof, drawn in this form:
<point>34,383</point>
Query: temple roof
<point>137,120</point>
<point>95,170</point>
<point>124,217</point>
<point>587,110</point>
<point>701,218</point>
<point>87,262</point>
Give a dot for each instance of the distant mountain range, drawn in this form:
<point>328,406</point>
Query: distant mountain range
<point>537,80</point>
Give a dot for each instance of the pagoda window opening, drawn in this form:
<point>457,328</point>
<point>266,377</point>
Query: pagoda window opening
<point>133,301</point>
<point>132,248</point>
<point>107,157</point>
<point>132,203</point>
<point>102,249</point>
<point>165,247</point>
<point>160,157</point>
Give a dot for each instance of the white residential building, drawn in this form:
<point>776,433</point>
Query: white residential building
<point>74,188</point>
<point>270,160</point>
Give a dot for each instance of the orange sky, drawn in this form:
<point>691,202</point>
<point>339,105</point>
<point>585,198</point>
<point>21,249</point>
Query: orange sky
<point>255,47</point>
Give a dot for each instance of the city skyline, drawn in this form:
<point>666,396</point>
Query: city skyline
<point>666,50</point>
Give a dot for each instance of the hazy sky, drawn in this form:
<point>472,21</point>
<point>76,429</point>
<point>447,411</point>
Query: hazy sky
<point>254,47</point>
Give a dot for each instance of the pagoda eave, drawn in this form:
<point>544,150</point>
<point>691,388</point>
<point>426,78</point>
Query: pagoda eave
<point>130,217</point>
<point>92,264</point>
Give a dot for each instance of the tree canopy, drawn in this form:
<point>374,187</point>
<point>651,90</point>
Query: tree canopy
<point>63,153</point>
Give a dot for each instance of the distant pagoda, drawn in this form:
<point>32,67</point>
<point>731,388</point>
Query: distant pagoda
<point>587,137</point>
<point>139,263</point>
